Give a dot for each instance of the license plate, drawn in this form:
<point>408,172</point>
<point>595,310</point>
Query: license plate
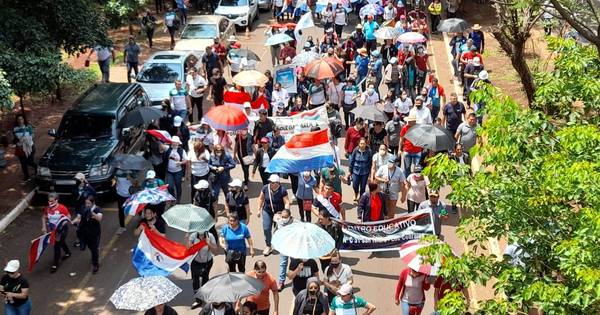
<point>64,182</point>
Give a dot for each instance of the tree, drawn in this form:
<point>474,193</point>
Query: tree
<point>6,92</point>
<point>582,15</point>
<point>120,12</point>
<point>538,189</point>
<point>516,18</point>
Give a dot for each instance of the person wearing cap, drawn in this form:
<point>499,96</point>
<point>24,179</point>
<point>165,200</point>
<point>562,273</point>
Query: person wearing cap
<point>478,38</point>
<point>311,300</point>
<point>82,190</point>
<point>199,157</point>
<point>416,188</point>
<point>14,290</point>
<point>411,154</point>
<point>151,181</point>
<point>361,62</point>
<point>347,303</point>
<point>89,230</point>
<point>478,84</point>
<point>454,113</point>
<point>181,130</point>
<point>236,201</point>
<point>369,27</point>
<point>376,66</point>
<point>471,73</point>
<point>391,182</point>
<point>358,36</point>
<point>221,163</point>
<point>272,200</point>
<point>350,93</point>
<point>204,199</point>
<point>262,157</point>
<point>176,159</point>
<point>55,219</point>
<point>438,209</point>
<point>410,291</point>
<point>197,86</point>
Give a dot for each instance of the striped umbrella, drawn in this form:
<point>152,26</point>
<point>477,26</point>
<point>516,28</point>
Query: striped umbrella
<point>408,254</point>
<point>250,78</point>
<point>323,69</point>
<point>370,9</point>
<point>226,117</point>
<point>412,38</point>
<point>188,218</point>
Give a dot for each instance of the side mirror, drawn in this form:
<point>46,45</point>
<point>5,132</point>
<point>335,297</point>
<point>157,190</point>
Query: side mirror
<point>52,132</point>
<point>125,132</point>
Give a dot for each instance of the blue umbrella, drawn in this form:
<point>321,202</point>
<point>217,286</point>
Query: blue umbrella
<point>303,241</point>
<point>278,39</point>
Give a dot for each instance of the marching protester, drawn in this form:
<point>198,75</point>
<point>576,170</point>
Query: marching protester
<point>151,220</point>
<point>360,168</point>
<point>281,220</point>
<point>336,275</point>
<point>176,159</point>
<point>90,229</point>
<point>24,140</point>
<point>311,300</point>
<point>233,238</point>
<point>14,289</point>
<point>300,271</point>
<point>272,200</point>
<point>372,205</point>
<point>347,303</point>
<point>237,202</point>
<point>416,186</point>
<point>262,300</point>
<point>307,184</point>
<point>410,291</point>
<point>392,183</point>
<point>203,261</point>
<point>438,208</point>
<point>199,157</point>
<point>262,157</point>
<point>244,154</point>
<point>220,164</point>
<point>55,219</point>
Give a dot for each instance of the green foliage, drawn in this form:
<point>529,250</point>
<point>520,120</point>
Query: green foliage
<point>78,80</point>
<point>31,72</point>
<point>120,12</point>
<point>538,188</point>
<point>6,92</point>
<point>575,78</point>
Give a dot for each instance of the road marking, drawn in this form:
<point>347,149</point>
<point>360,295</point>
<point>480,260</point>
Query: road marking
<point>455,85</point>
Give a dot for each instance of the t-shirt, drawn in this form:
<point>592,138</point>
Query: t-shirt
<point>453,113</point>
<point>236,239</point>
<point>335,177</point>
<point>395,176</point>
<point>196,82</point>
<point>340,16</point>
<point>218,87</point>
<point>343,276</point>
<point>178,101</point>
<point>103,52</point>
<point>316,94</point>
<point>54,214</point>
<point>88,225</point>
<point>262,299</point>
<point>376,207</point>
<point>277,199</point>
<point>407,146</point>
<point>309,270</point>
<point>393,131</point>
<point>468,136</point>
<point>204,255</point>
<point>347,308</point>
<point>15,285</point>
<point>170,18</point>
<point>376,138</point>
<point>436,93</point>
<point>369,29</point>
<point>159,224</point>
<point>403,106</point>
<point>423,115</point>
<point>210,62</point>
<point>133,52</point>
<point>416,192</point>
<point>175,157</point>
<point>237,204</point>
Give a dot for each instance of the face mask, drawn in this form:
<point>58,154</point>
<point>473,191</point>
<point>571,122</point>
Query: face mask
<point>424,94</point>
<point>334,265</point>
<point>312,292</point>
<point>285,221</point>
<point>371,91</point>
<point>419,106</point>
<point>390,165</point>
<point>52,204</point>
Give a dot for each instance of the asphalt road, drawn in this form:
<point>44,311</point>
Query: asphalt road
<point>74,290</point>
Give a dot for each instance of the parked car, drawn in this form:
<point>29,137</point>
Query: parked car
<point>88,136</point>
<point>265,5</point>
<point>201,30</point>
<point>240,12</point>
<point>162,69</point>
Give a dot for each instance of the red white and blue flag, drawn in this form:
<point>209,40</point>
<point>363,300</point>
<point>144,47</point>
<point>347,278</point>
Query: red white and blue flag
<point>305,151</point>
<point>37,247</point>
<point>156,255</point>
<point>161,135</point>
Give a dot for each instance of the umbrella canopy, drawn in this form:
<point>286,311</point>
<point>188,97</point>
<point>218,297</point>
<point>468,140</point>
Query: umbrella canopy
<point>370,9</point>
<point>387,32</point>
<point>188,218</point>
<point>323,69</point>
<point>304,58</point>
<point>140,294</point>
<point>408,254</point>
<point>226,117</point>
<point>453,25</point>
<point>250,78</point>
<point>412,38</point>
<point>303,240</point>
<point>431,137</point>
<point>130,162</point>
<point>245,53</point>
<point>136,202</point>
<point>370,113</point>
<point>229,287</point>
<point>140,116</point>
<point>278,39</point>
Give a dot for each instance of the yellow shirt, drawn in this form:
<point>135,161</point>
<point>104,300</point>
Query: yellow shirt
<point>435,8</point>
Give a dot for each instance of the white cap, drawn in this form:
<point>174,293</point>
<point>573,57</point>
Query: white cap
<point>80,176</point>
<point>12,266</point>
<point>274,178</point>
<point>202,184</point>
<point>476,61</point>
<point>150,174</point>
<point>177,121</point>
<point>483,75</point>
<point>175,139</point>
<point>235,183</point>
<point>247,105</point>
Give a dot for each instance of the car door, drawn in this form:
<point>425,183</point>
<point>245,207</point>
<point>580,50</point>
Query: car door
<point>130,138</point>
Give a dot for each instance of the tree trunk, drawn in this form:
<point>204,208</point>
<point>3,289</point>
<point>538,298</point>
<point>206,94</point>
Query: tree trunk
<point>22,105</point>
<point>515,49</point>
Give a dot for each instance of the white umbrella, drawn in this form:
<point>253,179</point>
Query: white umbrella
<point>278,39</point>
<point>387,32</point>
<point>303,240</point>
<point>144,293</point>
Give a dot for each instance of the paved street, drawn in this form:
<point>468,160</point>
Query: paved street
<point>74,290</point>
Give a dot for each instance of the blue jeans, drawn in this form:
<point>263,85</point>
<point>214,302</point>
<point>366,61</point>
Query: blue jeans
<point>181,113</point>
<point>283,262</point>
<point>410,159</point>
<point>24,309</point>
<point>104,69</point>
<point>174,182</point>
<point>359,183</point>
<point>406,307</point>
<point>267,223</point>
<point>220,185</point>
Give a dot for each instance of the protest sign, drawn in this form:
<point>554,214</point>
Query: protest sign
<point>302,122</point>
<point>285,75</point>
<point>386,235</point>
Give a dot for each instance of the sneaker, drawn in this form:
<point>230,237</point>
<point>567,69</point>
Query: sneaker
<point>121,230</point>
<point>66,256</point>
<point>195,305</point>
<point>268,251</point>
<point>95,269</point>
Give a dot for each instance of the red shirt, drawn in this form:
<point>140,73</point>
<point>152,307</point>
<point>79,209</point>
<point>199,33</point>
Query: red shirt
<point>287,52</point>
<point>421,62</point>
<point>352,138</point>
<point>375,207</point>
<point>402,56</point>
<point>469,55</point>
<point>407,146</point>
<point>262,299</point>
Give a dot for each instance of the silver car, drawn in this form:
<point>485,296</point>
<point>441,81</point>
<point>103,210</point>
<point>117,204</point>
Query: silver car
<point>200,31</point>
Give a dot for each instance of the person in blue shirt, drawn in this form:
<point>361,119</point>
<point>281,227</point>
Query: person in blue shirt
<point>455,44</point>
<point>233,238</point>
<point>220,164</point>
<point>360,168</point>
<point>362,65</point>
<point>477,36</point>
<point>376,66</point>
<point>304,194</point>
<point>369,29</point>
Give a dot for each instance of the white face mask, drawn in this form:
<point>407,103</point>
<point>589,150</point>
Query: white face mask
<point>382,152</point>
<point>371,91</point>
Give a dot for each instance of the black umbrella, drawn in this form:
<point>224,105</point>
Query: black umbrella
<point>140,116</point>
<point>431,137</point>
<point>229,287</point>
<point>246,53</point>
<point>453,25</point>
<point>369,113</point>
<point>129,162</point>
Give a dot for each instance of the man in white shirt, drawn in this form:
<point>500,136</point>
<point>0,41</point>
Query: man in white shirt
<point>279,95</point>
<point>196,85</point>
<point>179,100</point>
<point>390,12</point>
<point>421,112</point>
<point>103,54</point>
<point>370,96</point>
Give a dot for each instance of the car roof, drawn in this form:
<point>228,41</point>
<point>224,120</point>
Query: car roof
<point>168,56</point>
<point>204,19</point>
<point>103,99</point>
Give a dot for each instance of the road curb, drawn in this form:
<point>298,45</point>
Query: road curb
<point>17,210</point>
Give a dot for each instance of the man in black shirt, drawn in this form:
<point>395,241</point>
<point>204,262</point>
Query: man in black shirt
<point>14,289</point>
<point>217,87</point>
<point>300,271</point>
<point>210,61</point>
<point>333,229</point>
<point>454,114</point>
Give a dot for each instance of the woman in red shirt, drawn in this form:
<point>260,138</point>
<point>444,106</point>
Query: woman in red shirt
<point>353,135</point>
<point>55,219</point>
<point>371,206</point>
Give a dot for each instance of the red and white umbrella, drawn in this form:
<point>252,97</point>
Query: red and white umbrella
<point>412,38</point>
<point>161,135</point>
<point>408,254</point>
<point>226,117</point>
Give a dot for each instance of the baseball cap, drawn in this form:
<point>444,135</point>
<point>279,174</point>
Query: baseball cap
<point>274,178</point>
<point>150,174</point>
<point>345,289</point>
<point>177,121</point>
<point>175,139</point>
<point>80,176</point>
<point>247,105</point>
<point>12,266</point>
<point>235,183</point>
<point>264,140</point>
<point>202,184</point>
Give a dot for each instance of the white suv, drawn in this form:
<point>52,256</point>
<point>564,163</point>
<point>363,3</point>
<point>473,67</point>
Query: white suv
<point>240,12</point>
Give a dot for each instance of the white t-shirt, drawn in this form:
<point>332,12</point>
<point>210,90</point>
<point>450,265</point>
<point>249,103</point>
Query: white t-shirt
<point>340,16</point>
<point>174,158</point>
<point>370,100</point>
<point>403,107</point>
<point>423,115</point>
<point>280,96</point>
<point>265,160</point>
<point>199,166</point>
<point>196,82</point>
<point>343,276</point>
<point>397,177</point>
<point>416,192</point>
<point>278,3</point>
<point>204,255</point>
<point>103,53</point>
<point>335,93</point>
<point>388,13</point>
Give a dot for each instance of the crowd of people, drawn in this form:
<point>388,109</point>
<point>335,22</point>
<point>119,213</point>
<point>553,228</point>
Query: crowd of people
<point>384,167</point>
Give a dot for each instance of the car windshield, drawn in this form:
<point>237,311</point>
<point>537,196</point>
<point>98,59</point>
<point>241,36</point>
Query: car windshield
<point>234,3</point>
<point>193,31</point>
<point>85,127</point>
<point>159,73</point>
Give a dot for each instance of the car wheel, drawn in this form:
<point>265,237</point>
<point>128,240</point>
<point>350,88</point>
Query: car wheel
<point>256,16</point>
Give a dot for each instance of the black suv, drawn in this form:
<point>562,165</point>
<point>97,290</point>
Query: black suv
<point>88,136</point>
